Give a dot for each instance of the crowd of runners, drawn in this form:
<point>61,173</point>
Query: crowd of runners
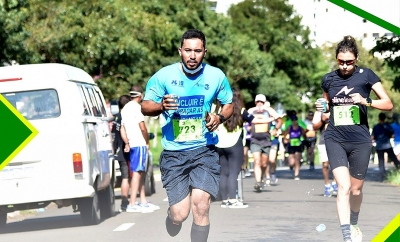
<point>207,144</point>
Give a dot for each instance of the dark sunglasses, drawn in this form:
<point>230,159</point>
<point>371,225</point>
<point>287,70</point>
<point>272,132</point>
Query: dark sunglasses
<point>347,62</point>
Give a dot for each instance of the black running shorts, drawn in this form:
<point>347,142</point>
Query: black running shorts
<point>183,170</point>
<point>355,156</point>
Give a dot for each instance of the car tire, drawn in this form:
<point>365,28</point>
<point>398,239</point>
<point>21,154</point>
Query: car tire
<point>3,219</point>
<point>149,180</point>
<point>153,184</point>
<point>90,209</point>
<point>107,202</point>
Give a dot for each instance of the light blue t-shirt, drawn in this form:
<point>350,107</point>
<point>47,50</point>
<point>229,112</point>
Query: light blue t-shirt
<point>184,129</point>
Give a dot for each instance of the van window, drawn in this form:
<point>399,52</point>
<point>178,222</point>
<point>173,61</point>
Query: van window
<point>100,103</point>
<point>91,101</point>
<point>86,110</point>
<point>96,107</point>
<point>38,104</point>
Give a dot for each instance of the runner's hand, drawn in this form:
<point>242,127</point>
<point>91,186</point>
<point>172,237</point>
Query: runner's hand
<point>213,122</point>
<point>169,103</point>
<point>357,98</point>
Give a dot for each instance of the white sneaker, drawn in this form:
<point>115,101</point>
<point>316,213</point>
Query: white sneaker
<point>150,205</point>
<point>133,209</point>
<point>356,235</point>
<point>237,204</point>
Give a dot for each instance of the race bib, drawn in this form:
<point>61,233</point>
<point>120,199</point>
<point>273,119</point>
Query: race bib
<point>187,129</point>
<point>295,142</point>
<point>261,128</point>
<point>346,115</point>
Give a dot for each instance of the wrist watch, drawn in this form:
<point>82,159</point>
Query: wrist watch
<point>369,102</point>
<point>221,118</point>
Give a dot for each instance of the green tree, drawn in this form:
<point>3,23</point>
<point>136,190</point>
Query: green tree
<point>390,47</point>
<point>278,32</point>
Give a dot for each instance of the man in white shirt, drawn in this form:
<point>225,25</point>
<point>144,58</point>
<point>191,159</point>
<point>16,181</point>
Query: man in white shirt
<point>134,134</point>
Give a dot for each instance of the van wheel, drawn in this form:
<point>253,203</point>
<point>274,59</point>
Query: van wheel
<point>153,184</point>
<point>90,210</point>
<point>3,219</point>
<point>149,182</point>
<point>107,202</point>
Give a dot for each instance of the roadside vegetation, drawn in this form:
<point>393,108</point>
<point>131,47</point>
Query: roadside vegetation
<point>393,177</point>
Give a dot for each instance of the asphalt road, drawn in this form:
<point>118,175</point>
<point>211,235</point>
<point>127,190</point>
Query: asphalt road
<point>289,211</point>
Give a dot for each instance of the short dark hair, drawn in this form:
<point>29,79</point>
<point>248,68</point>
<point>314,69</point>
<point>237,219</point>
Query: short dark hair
<point>194,34</point>
<point>382,116</point>
<point>137,88</point>
<point>347,44</point>
<point>124,99</point>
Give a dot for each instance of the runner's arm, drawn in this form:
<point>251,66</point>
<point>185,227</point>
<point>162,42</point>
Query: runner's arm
<point>151,108</point>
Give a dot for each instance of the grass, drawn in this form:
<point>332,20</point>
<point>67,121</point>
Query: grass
<point>393,177</point>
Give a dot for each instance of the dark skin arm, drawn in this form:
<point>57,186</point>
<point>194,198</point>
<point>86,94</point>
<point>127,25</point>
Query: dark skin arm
<point>213,121</point>
<point>151,108</point>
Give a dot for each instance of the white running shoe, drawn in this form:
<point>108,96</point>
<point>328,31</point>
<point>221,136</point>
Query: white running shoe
<point>356,235</point>
<point>238,204</point>
<point>150,205</point>
<point>138,209</point>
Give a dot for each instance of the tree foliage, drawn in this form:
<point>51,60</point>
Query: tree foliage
<point>261,47</point>
<point>279,33</point>
<point>390,47</point>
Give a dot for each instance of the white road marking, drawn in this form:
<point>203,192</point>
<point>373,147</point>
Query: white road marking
<point>123,227</point>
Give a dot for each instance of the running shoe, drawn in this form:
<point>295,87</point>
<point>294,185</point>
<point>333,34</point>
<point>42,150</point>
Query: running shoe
<point>356,235</point>
<point>334,189</point>
<point>150,206</point>
<point>138,209</point>
<point>296,178</point>
<point>267,182</point>
<point>172,228</point>
<point>225,204</point>
<point>247,173</point>
<point>274,179</point>
<point>238,204</point>
<point>257,187</point>
<point>328,190</point>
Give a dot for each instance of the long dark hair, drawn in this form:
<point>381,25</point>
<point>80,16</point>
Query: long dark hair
<point>236,119</point>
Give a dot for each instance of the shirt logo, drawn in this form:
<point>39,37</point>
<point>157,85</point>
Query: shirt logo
<point>345,90</point>
<point>177,83</point>
<point>206,86</point>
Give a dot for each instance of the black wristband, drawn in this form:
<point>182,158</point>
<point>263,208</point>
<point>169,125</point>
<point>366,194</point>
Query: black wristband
<point>221,118</point>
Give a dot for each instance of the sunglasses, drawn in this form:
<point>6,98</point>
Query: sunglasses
<point>347,62</point>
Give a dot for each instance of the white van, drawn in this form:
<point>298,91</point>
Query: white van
<point>70,160</point>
